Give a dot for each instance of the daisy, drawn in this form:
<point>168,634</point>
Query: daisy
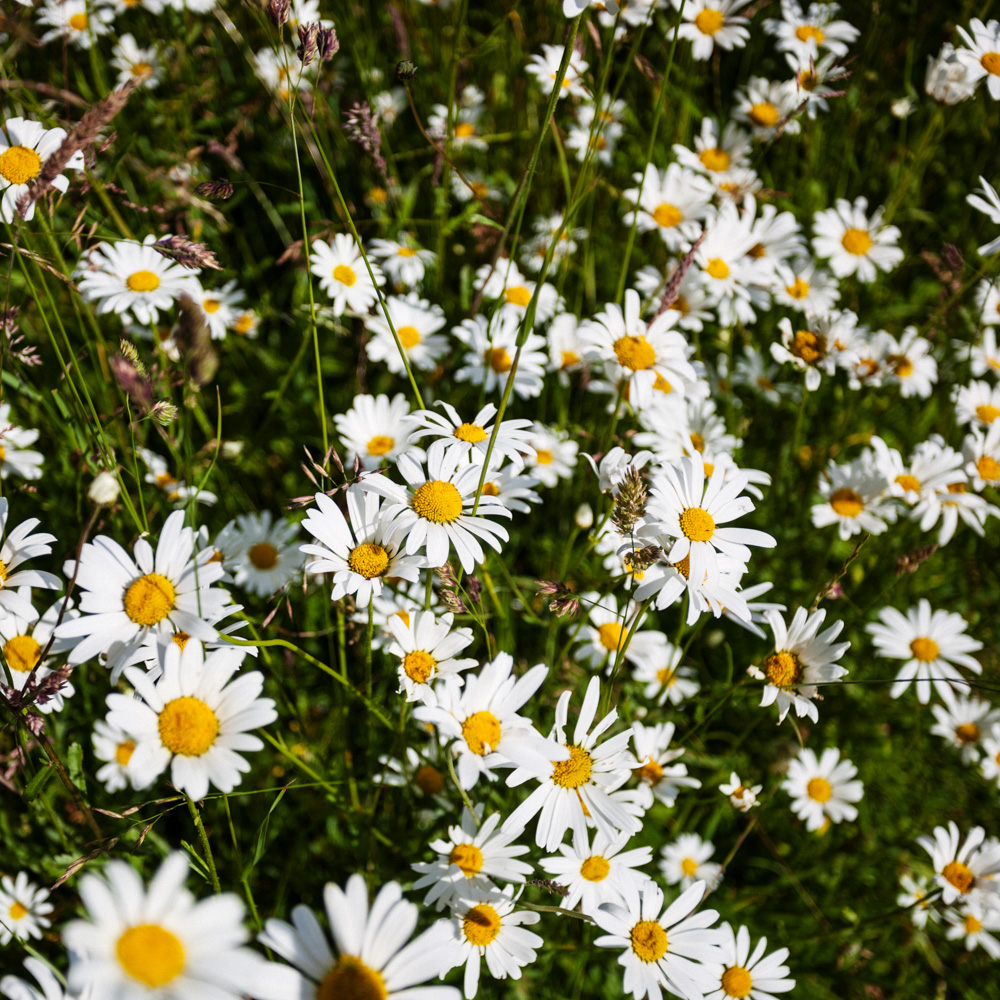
<point>514,491</point>
<point>514,292</point>
<point>596,874</point>
<point>724,267</point>
<point>414,773</point>
<point>115,748</point>
<point>221,306</point>
<point>982,56</point>
<point>853,499</point>
<point>571,8</point>
<point>949,78</point>
<point>982,453</point>
<point>246,324</point>
<point>404,261</point>
<point>803,658</point>
<point>974,924</point>
<point>135,63</point>
<point>551,233</point>
<point>554,455</point>
<point>931,642</point>
<point>472,856</point>
<point>49,988</point>
<point>804,33</point>
<point>282,71</point>
<point>711,23</point>
<point>777,239</point>
<point>76,21</point>
<point>717,150</point>
<point>977,403</point>
<point>482,721</point>
<point>464,135</point>
<point>950,505</point>
<point>376,429</point>
<point>469,440</point>
<point>672,202</point>
<point>492,347</point>
<point>989,765</point>
<point>545,68</point>
<point>914,897</point>
<point>24,909</point>
<point>854,243</point>
<point>685,861</point>
<point>18,547</point>
<point>660,779</point>
<point>691,303</point>
<point>134,280</point>
<point>966,874</point>
<point>124,600</point>
<point>805,287</point>
<point>174,489</point>
<point>596,133</point>
<point>486,925</point>
<point>962,721</point>
<point>811,80</point>
<point>161,943</point>
<point>742,797</point>
<point>823,789</point>
<point>15,454</point>
<point>24,147</point>
<point>912,365</point>
<point>427,648</point>
<point>607,629</point>
<point>766,106</point>
<point>361,551</point>
<point>193,719</point>
<point>664,678</point>
<point>343,275</point>
<point>672,948</point>
<point>416,323</point>
<point>258,551</point>
<point>583,787</point>
<point>749,975</point>
<point>931,467</point>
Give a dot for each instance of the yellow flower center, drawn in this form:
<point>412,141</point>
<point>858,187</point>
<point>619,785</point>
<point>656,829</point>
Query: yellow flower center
<point>689,866</point>
<point>660,384</point>
<point>846,502</point>
<point>698,443</point>
<point>403,616</point>
<point>211,305</point>
<point>437,501</point>
<point>406,252</point>
<point>595,868</point>
<point>149,599</point>
<point>959,875</point>
<point>150,954</point>
<point>799,289</point>
<point>263,555</point>
<point>764,114</point>
<point>17,910</point>
<point>665,675</point>
<point>344,275</point>
<point>518,296</point>
<point>490,490</point>
<point>783,669</point>
<point>651,772</point>
<point>681,305</point>
<point>409,336</point>
<point>482,732</point>
<point>18,165</point>
<point>140,70</point>
<point>481,925</point>
<point>635,353</point>
<point>697,524</point>
<point>143,281</point>
<point>667,215</point>
<point>819,790</point>
<point>378,195</point>
<point>924,649</point>
<point>967,732</point>
<point>988,468</point>
<point>543,456</point>
<point>708,22</point>
<point>987,413</point>
<point>757,251</point>
<point>806,31</point>
<point>909,483</point>
<point>419,666</point>
<point>972,925</point>
<point>78,22</point>
<point>574,772</point>
<point>611,635</point>
<point>21,653</point>
<point>856,241</point>
<point>649,941</point>
<point>717,268</point>
<point>736,981</point>
<point>464,129</point>
<point>187,726</point>
<point>809,346</point>
<point>380,445</point>
<point>716,159</point>
<point>244,324</point>
<point>429,780</point>
<point>180,639</point>
<point>498,359</point>
<point>991,62</point>
<point>124,751</point>
<point>368,560</point>
<point>570,358</point>
<point>351,979</point>
<point>468,857</point>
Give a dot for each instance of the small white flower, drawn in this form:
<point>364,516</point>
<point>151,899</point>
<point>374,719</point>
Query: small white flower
<point>823,789</point>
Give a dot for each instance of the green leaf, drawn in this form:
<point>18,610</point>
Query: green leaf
<point>37,782</point>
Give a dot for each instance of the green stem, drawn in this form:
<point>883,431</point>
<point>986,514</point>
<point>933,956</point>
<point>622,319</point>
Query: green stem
<point>205,846</point>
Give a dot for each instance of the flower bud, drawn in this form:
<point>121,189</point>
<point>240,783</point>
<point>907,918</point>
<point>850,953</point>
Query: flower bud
<point>584,516</point>
<point>104,489</point>
<point>947,80</point>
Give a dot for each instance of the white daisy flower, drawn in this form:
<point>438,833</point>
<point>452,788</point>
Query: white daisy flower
<point>724,268</point>
<point>492,345</point>
<point>343,275</point>
<point>803,658</point>
<point>977,403</point>
<point>814,350</point>
<point>989,765</point>
<point>514,292</point>
<point>966,874</point>
<point>468,440</point>
<point>766,105</point>
<point>565,348</point>
<point>931,642</point>
<point>258,551</point>
<point>115,748</point>
<point>595,133</point>
<point>374,956</point>
<point>514,491</point>
<point>472,856</point>
<point>583,787</point>
<point>193,719</point>
<point>282,71</point>
<point>949,506</point>
<point>544,68</point>
<point>135,63</point>
<point>806,287</point>
<point>598,873</point>
<point>756,976</point>
<point>812,80</point>
<point>673,202</point>
<point>77,21</point>
<point>778,239</point>
<point>804,33</point>
<point>914,897</point>
<point>962,721</point>
<point>855,243</point>
<point>974,925</point>
<point>174,489</point>
<point>686,861</point>
<point>931,467</point>
<point>159,942</point>
<point>428,649</point>
<point>606,630</point>
<point>24,909</point>
<point>221,306</point>
<point>718,149</point>
<point>949,78</point>
<point>853,499</point>
<point>554,455</point>
<point>982,454</point>
<point>124,600</point>
<point>416,323</point>
<point>912,365</point>
<point>742,797</point>
<point>18,547</point>
<point>134,280</point>
<point>48,988</point>
<point>660,779</point>
<point>691,304</point>
<point>823,789</point>
<point>15,454</point>
<point>672,948</point>
<point>403,261</point>
<point>571,8</point>
<point>711,23</point>
<point>981,58</point>
<point>361,551</point>
<point>754,370</point>
<point>24,147</point>
<point>376,429</point>
<point>664,678</point>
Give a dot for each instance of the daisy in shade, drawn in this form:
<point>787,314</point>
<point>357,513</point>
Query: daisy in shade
<point>124,600</point>
<point>757,976</point>
<point>374,956</point>
<point>515,492</point>
<point>664,678</point>
<point>15,454</point>
<point>660,779</point>
<point>221,306</point>
<point>470,858</point>
<point>672,202</point>
<point>416,323</point>
<point>428,649</point>
<point>485,925</point>
<point>24,147</point>
<point>982,56</point>
<point>686,861</point>
<point>583,787</point>
<point>344,276</point>
<point>258,551</point>
<point>767,105</point>
<point>514,292</point>
<point>823,789</point>
<point>554,455</point>
<point>804,33</point>
<point>977,403</point>
<point>966,874</point>
<point>724,268</point>
<point>48,988</point>
<point>376,429</point>
<point>951,504</point>
<point>607,629</point>
<point>711,23</point>
<point>403,261</point>
<point>482,723</point>
<point>931,642</point>
<point>914,898</point>
<point>18,547</point>
<point>77,21</point>
<point>141,943</point>
<point>361,550</point>
<point>193,719</point>
<point>803,657</point>
<point>988,204</point>
<point>804,286</point>
<point>962,721</point>
<point>974,925</point>
<point>115,748</point>
<point>855,243</point>
<point>469,440</point>
<point>433,512</point>
<point>492,346</point>
<point>24,909</point>
<point>742,797</point>
<point>135,63</point>
<point>545,69</point>
<point>717,150</point>
<point>853,499</point>
<point>982,454</point>
<point>602,872</point>
<point>911,364</point>
<point>672,948</point>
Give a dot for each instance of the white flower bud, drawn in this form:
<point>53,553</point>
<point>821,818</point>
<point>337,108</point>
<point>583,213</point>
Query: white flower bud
<point>584,516</point>
<point>947,80</point>
<point>104,489</point>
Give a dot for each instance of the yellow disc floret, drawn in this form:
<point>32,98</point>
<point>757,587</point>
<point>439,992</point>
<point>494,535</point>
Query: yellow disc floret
<point>697,524</point>
<point>924,649</point>
<point>990,62</point>
<point>380,445</point>
<point>143,281</point>
<point>595,868</point>
<point>574,772</point>
<point>263,555</point>
<point>518,296</point>
<point>959,875</point>
<point>667,215</point>
<point>716,159</point>
<point>481,925</point>
<point>149,599</point>
<point>856,241</point>
<point>150,954</point>
<point>344,275</point>
<point>481,732</point>
<point>409,336</point>
<point>437,501</point>
<point>717,268</point>
<point>764,114</point>
<point>846,502</point>
<point>368,560</point>
<point>498,359</point>
<point>471,433</point>
<point>736,981</point>
<point>987,413</point>
<point>19,164</point>
<point>819,790</point>
<point>649,941</point>
<point>21,653</point>
<point>187,726</point>
<point>806,31</point>
<point>635,353</point>
<point>783,669</point>
<point>17,911</point>
<point>708,21</point>
<point>351,979</point>
<point>468,857</point>
<point>611,635</point>
<point>419,666</point>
